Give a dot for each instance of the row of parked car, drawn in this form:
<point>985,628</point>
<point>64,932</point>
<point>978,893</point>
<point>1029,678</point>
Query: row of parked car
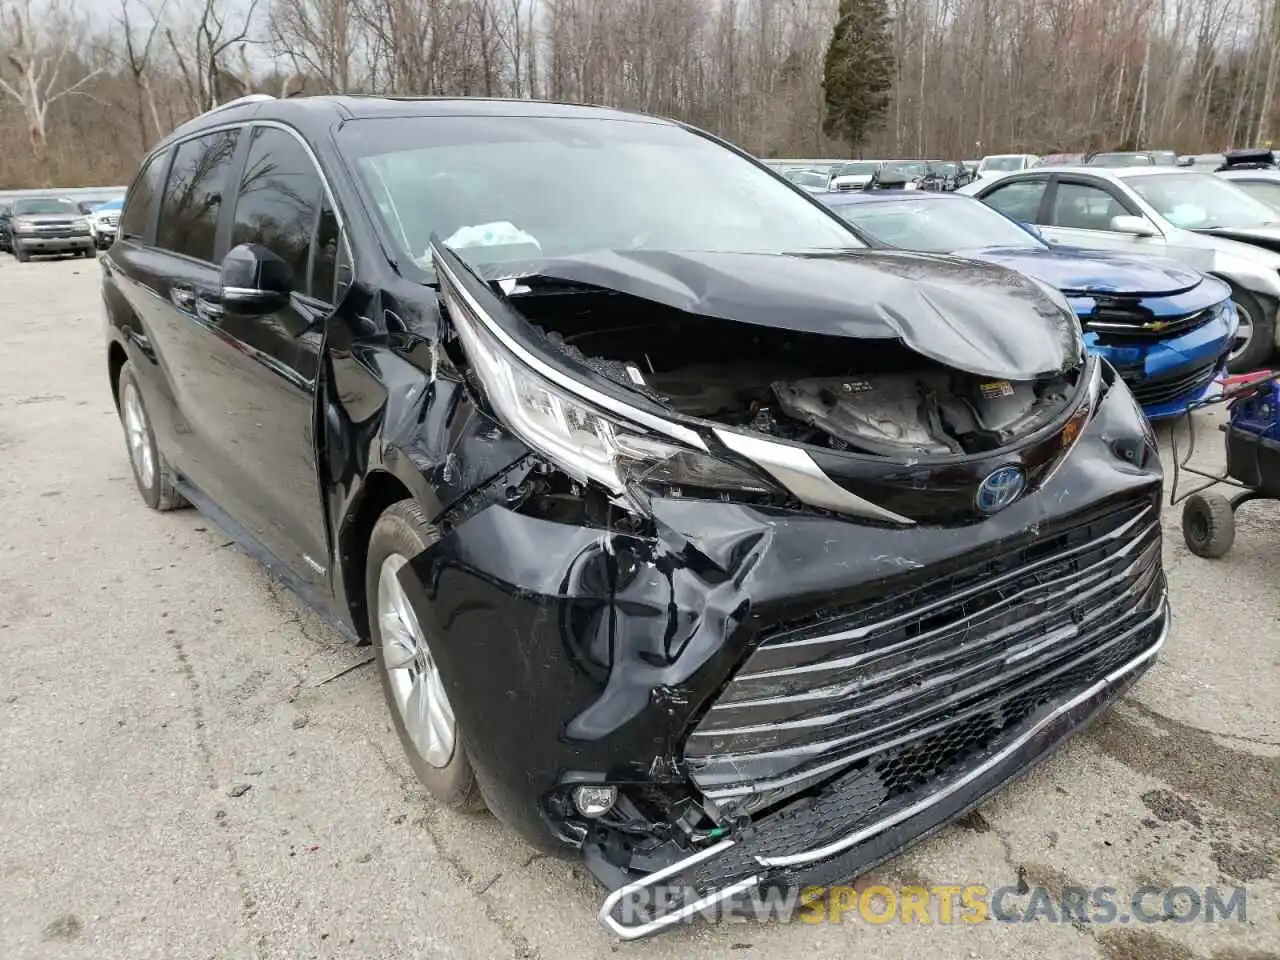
<point>820,176</point>
<point>1173,270</point>
<point>40,226</point>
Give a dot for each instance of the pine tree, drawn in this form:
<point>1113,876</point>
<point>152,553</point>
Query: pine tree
<point>858,73</point>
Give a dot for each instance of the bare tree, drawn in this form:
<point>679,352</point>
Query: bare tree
<point>202,57</point>
<point>318,37</point>
<point>43,36</point>
<point>138,53</point>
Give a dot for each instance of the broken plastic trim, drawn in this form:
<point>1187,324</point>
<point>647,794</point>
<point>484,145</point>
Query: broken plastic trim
<point>796,470</point>
<point>586,443</point>
<point>834,848</point>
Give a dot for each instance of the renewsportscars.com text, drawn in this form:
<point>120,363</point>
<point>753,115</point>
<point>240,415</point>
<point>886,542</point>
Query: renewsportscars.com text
<point>946,904</point>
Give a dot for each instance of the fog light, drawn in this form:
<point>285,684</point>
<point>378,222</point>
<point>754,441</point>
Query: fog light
<point>594,801</point>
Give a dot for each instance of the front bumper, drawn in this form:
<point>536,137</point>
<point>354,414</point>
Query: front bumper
<point>45,244</point>
<point>587,653</point>
<point>1169,374</point>
<point>820,843</point>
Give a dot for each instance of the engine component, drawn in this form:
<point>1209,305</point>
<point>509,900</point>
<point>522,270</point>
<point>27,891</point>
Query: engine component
<point>889,414</point>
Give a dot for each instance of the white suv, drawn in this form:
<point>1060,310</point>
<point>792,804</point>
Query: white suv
<point>103,221</point>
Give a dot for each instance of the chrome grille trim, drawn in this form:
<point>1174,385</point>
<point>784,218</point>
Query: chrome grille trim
<point>813,773</point>
<point>824,719</point>
<point>859,633</point>
<point>831,849</point>
<point>1089,576</point>
<point>934,666</point>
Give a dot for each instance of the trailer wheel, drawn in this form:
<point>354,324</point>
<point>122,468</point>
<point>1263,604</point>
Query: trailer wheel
<point>1208,525</point>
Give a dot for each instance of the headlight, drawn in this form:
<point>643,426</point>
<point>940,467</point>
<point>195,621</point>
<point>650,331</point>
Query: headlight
<point>22,226</point>
<point>585,442</point>
<point>80,224</point>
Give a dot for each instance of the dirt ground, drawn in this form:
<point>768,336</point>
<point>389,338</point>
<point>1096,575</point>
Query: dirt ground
<point>189,768</point>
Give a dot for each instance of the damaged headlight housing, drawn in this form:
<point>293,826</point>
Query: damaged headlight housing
<point>585,442</point>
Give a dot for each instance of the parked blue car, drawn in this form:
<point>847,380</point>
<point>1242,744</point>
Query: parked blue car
<point>1165,328</point>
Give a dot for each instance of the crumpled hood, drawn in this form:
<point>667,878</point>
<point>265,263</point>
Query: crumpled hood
<point>1076,270</point>
<point>977,317</point>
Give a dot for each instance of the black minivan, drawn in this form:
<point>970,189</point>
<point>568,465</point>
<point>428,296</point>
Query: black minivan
<point>694,537</point>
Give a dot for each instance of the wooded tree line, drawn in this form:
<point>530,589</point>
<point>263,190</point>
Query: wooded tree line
<point>87,85</point>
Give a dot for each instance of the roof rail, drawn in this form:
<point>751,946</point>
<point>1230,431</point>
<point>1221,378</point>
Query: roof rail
<point>239,101</point>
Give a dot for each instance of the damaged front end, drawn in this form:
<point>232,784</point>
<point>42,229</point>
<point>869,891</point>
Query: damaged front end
<point>810,553</point>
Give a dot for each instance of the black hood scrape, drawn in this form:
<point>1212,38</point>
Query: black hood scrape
<point>976,317</point>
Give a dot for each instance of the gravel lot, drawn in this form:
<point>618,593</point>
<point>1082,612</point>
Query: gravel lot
<point>187,771</point>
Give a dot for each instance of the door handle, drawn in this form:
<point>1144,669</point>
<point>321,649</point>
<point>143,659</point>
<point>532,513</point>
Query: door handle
<point>183,298</point>
<point>208,310</point>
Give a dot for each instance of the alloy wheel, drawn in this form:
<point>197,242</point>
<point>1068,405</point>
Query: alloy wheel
<point>1244,333</point>
<point>138,436</point>
<point>414,676</point>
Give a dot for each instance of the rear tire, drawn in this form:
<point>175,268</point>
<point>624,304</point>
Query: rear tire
<point>1208,525</point>
<point>411,683</point>
<point>1255,351</point>
<point>151,472</point>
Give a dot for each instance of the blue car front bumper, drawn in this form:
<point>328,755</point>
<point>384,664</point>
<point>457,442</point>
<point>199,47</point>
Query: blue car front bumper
<point>1166,374</point>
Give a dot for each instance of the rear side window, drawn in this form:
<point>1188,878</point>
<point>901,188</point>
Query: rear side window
<point>140,205</point>
<point>193,196</point>
<point>1018,201</point>
<point>278,206</point>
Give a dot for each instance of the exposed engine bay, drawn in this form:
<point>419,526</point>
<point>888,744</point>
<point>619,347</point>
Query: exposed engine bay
<point>870,396</point>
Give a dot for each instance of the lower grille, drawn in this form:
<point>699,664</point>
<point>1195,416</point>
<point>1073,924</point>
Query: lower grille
<point>910,685</point>
<point>1167,388</point>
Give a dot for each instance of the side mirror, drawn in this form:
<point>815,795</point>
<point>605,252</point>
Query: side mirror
<point>255,281</point>
<point>1136,226</point>
<point>1185,161</point>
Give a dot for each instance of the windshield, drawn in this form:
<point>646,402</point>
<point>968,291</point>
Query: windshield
<point>39,205</point>
<point>935,226</point>
<point>500,189</point>
<point>1268,191</point>
<point>904,168</point>
<point>1120,160</point>
<point>946,168</point>
<point>864,168</point>
<point>1201,201</point>
<point>1002,163</point>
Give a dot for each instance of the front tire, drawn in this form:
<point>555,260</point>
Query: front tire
<point>20,254</point>
<point>152,474</point>
<point>411,680</point>
<point>1256,337</point>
